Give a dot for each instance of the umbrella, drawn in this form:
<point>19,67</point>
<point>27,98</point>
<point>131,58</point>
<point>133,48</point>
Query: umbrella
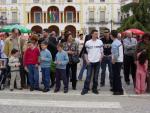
<point>9,28</point>
<point>135,31</point>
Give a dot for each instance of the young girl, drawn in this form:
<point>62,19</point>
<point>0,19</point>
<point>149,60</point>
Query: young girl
<point>142,67</point>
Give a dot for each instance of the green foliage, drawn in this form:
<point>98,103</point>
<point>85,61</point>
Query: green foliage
<point>140,18</point>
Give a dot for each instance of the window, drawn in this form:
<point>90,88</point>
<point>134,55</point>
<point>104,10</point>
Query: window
<point>91,16</point>
<point>3,14</point>
<point>52,0</point>
<point>91,1</point>
<point>69,16</point>
<point>3,1</point>
<point>102,0</point>
<point>119,16</point>
<point>14,17</point>
<point>69,0</point>
<point>102,16</point>
<point>35,1</point>
<point>14,1</point>
<point>37,17</point>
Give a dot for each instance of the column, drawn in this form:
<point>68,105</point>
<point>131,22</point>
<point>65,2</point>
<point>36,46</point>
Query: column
<point>63,17</point>
<point>42,17</point>
<point>76,16</point>
<point>46,17</point>
<point>29,17</point>
<point>59,17</point>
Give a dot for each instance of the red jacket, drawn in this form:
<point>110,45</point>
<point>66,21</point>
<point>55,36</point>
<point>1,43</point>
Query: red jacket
<point>31,56</point>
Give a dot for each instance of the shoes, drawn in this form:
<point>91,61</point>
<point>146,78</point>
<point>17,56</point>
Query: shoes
<point>95,91</point>
<point>11,89</point>
<point>118,93</point>
<point>65,91</point>
<point>19,88</point>
<point>84,92</point>
<point>31,89</point>
<point>74,88</point>
<point>111,90</point>
<point>102,85</point>
<point>56,90</point>
<point>46,90</point>
<point>52,85</point>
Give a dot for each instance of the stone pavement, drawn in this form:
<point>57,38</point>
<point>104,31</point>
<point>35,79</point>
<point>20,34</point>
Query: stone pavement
<point>38,102</point>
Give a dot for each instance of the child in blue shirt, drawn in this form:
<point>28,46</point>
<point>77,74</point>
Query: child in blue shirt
<point>45,61</point>
<point>61,61</point>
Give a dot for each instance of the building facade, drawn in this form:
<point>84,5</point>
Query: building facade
<point>60,15</point>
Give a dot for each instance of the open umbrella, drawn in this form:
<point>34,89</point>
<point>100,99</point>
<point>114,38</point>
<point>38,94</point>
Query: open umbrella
<point>9,28</point>
<point>135,31</point>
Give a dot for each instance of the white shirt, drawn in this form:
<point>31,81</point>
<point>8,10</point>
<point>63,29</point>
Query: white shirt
<point>94,50</point>
<point>2,44</point>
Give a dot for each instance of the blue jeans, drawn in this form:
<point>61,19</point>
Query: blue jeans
<point>33,76</point>
<point>82,70</point>
<point>46,77</point>
<point>92,68</point>
<point>106,61</point>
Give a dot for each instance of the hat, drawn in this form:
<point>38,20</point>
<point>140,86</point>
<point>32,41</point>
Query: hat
<point>44,42</point>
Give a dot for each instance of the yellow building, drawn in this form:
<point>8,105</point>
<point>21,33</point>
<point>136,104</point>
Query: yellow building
<point>59,15</point>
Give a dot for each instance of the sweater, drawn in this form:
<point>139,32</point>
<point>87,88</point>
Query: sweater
<point>45,58</point>
<point>31,56</point>
<point>13,61</point>
<point>63,58</point>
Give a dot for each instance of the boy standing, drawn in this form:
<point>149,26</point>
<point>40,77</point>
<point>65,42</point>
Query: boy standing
<point>61,61</point>
<point>31,63</point>
<point>45,61</point>
<point>15,72</point>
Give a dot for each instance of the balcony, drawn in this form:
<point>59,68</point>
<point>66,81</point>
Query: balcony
<point>97,23</point>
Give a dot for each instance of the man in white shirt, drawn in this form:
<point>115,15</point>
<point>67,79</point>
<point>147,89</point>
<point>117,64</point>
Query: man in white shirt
<point>93,58</point>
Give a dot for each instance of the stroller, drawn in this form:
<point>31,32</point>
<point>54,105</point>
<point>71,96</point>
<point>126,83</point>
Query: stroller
<point>4,72</point>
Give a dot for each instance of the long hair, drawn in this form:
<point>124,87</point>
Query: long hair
<point>142,57</point>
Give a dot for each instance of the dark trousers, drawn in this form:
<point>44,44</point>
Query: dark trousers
<point>73,68</point>
<point>24,78</point>
<point>129,67</point>
<point>117,84</point>
<point>61,74</point>
<point>92,68</point>
<point>3,76</point>
<point>46,77</point>
<point>106,61</point>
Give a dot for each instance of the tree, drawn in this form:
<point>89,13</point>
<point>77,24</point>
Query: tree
<point>140,17</point>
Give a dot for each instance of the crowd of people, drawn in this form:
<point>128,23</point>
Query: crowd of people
<point>57,59</point>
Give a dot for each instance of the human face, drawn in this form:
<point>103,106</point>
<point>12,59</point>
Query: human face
<point>129,34</point>
<point>59,48</point>
<point>45,34</point>
<point>69,38</point>
<point>146,40</point>
<point>95,35</point>
<point>43,46</point>
<point>16,54</point>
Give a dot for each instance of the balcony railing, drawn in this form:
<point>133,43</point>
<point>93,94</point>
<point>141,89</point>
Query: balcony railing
<point>100,22</point>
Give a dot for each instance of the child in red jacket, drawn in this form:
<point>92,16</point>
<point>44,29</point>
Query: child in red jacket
<point>31,61</point>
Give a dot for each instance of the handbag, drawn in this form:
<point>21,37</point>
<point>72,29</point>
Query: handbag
<point>75,59</point>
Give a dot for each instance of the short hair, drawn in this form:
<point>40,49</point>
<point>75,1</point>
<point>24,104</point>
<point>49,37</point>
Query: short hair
<point>93,31</point>
<point>46,30</point>
<point>34,38</point>
<point>60,45</point>
<point>114,33</point>
<point>14,51</point>
<point>44,42</point>
<point>13,30</point>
